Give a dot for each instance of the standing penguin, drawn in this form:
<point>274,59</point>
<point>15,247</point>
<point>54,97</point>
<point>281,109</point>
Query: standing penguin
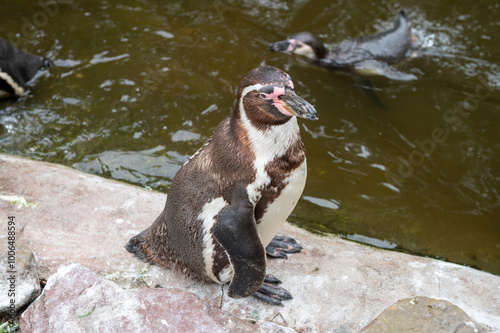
<point>17,68</point>
<point>229,199</point>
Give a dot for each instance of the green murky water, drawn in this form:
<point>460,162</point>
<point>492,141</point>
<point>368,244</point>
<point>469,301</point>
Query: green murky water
<point>138,86</point>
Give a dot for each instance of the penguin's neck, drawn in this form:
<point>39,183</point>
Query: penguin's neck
<point>267,144</point>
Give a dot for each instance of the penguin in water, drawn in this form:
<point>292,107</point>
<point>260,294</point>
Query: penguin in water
<point>227,202</point>
<point>17,68</point>
<point>367,55</point>
<point>364,55</point>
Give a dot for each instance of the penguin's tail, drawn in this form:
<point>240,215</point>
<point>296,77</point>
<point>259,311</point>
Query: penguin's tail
<point>402,20</point>
<point>136,246</point>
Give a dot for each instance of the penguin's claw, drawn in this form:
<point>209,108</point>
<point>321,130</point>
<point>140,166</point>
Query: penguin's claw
<point>275,253</point>
<point>281,245</point>
<point>270,293</point>
<point>284,239</point>
<point>272,279</point>
<point>267,299</point>
<point>275,291</point>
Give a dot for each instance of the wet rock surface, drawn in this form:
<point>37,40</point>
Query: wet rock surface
<point>337,285</point>
<point>424,314</point>
<point>18,276</point>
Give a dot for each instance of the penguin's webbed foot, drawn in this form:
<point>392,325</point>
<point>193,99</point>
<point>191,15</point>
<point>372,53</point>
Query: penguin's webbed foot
<point>270,293</point>
<point>281,245</point>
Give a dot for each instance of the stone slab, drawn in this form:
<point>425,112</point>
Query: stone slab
<point>423,314</point>
<point>76,299</point>
<point>338,285</point>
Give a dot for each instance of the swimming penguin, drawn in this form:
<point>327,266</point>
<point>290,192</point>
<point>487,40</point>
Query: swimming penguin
<point>365,55</point>
<point>17,68</point>
<point>228,201</point>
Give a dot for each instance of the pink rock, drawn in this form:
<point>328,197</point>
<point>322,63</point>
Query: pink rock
<point>76,299</point>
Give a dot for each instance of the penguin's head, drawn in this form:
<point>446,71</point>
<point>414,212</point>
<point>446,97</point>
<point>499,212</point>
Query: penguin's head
<point>266,95</point>
<point>302,43</point>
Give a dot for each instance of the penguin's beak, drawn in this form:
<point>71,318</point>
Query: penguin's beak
<point>283,45</point>
<point>297,106</point>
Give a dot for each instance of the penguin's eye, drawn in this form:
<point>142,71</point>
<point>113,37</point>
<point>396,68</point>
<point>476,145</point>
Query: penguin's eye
<point>266,92</point>
<point>271,92</point>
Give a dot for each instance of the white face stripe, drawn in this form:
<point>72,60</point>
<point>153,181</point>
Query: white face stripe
<point>208,213</point>
<point>305,51</point>
<point>249,89</point>
<point>18,90</point>
<point>266,145</point>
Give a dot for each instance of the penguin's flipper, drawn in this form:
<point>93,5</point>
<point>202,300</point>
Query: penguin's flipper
<point>365,84</point>
<point>269,292</point>
<point>236,231</point>
<point>281,245</point>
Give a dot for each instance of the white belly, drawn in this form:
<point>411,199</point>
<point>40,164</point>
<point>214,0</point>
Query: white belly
<point>277,212</point>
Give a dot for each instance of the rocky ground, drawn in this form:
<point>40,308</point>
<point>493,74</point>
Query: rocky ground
<point>76,226</point>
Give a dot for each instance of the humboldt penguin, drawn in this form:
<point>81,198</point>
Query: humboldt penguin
<point>17,68</point>
<point>367,55</point>
<point>363,55</point>
<point>228,201</point>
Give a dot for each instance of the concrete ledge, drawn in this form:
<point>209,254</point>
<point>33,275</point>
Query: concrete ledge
<point>340,286</point>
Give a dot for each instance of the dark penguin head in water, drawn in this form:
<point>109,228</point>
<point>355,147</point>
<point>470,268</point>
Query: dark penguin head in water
<point>302,43</point>
<point>228,201</point>
<point>391,46</point>
<point>17,68</point>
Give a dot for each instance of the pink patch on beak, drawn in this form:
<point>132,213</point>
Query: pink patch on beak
<point>278,91</point>
<point>281,109</point>
<point>292,45</point>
